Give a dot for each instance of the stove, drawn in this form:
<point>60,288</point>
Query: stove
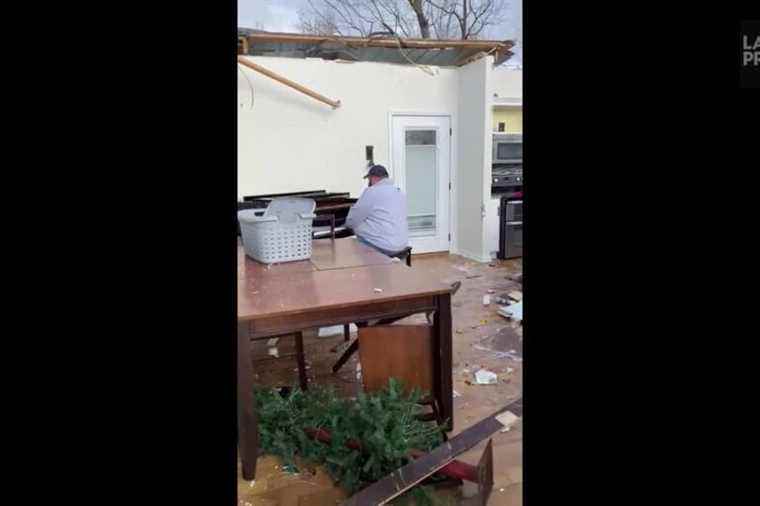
<point>506,176</point>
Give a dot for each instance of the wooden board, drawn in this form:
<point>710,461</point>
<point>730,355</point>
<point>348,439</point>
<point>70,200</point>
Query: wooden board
<point>326,255</point>
<point>413,473</point>
<point>250,268</point>
<point>343,253</point>
<point>399,351</point>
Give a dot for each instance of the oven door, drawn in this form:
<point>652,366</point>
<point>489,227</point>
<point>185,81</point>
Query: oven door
<point>513,243</point>
<point>514,211</point>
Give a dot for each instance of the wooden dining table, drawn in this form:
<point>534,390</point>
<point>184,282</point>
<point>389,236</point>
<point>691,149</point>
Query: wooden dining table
<point>344,282</point>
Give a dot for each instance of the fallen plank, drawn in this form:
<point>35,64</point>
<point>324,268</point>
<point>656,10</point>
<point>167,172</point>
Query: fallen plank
<point>413,473</point>
<point>455,469</point>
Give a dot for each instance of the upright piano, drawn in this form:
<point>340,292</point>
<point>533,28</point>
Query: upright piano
<point>331,209</point>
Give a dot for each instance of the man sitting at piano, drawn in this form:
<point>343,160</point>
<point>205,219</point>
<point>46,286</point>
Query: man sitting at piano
<point>379,216</point>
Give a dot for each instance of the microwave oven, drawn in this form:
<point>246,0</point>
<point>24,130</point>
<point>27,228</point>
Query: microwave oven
<point>507,148</point>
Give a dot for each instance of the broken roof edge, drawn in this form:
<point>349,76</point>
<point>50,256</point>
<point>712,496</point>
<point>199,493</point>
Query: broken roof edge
<point>377,41</point>
<point>380,49</point>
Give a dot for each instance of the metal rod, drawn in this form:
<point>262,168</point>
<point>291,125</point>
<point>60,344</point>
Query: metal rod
<point>287,82</point>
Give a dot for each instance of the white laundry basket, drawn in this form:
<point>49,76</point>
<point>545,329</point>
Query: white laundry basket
<point>282,234</point>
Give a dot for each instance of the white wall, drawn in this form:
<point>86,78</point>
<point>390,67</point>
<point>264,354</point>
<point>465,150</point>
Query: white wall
<point>290,142</point>
<point>474,157</point>
<point>507,83</point>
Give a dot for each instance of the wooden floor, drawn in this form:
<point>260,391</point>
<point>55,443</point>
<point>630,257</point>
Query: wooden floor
<point>475,327</point>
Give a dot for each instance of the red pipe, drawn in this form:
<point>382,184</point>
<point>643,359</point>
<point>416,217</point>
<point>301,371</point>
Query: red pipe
<point>455,469</point>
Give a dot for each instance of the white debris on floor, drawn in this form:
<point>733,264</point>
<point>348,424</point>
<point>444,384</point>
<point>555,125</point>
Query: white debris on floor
<point>486,377</point>
<point>507,419</point>
<point>335,330</point>
<point>513,311</point>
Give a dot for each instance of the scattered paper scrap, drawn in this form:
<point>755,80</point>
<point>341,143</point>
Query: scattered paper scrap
<point>395,260</point>
<point>456,394</point>
<point>491,290</point>
<point>486,377</point>
<point>273,342</point>
<point>378,290</point>
<point>512,354</point>
<point>507,419</point>
<point>514,311</point>
<point>486,300</point>
<point>274,352</point>
<point>516,295</point>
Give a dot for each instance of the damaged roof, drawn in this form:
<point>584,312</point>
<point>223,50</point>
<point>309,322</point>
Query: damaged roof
<point>381,48</point>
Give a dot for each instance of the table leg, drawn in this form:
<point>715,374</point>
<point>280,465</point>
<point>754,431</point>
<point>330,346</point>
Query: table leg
<point>302,376</point>
<point>443,388</point>
<point>248,427</point>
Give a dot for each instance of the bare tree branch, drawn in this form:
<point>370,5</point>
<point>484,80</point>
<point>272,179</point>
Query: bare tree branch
<point>477,15</point>
<point>405,18</point>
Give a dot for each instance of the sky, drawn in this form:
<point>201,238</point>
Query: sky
<point>282,16</point>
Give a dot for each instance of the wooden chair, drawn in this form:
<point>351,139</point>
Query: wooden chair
<point>299,354</point>
<point>354,347</point>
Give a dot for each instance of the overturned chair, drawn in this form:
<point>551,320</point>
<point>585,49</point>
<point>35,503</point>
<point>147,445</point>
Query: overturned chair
<point>354,346</point>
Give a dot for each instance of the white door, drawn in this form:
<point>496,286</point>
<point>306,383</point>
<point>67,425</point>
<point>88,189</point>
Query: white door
<point>420,147</point>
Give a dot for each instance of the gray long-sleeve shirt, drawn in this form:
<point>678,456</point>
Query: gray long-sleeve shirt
<point>379,216</point>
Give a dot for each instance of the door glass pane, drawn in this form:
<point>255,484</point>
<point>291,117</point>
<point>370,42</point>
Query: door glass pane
<point>420,137</point>
<point>422,182</point>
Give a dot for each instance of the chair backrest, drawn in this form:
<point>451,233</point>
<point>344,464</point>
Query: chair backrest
<point>287,209</point>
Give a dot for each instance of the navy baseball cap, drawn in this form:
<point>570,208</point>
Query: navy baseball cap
<point>377,171</point>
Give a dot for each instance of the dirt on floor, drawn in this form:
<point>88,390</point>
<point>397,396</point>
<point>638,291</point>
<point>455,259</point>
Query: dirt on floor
<point>482,339</point>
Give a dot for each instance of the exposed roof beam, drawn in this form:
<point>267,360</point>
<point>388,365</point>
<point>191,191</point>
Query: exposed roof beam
<point>287,82</point>
<point>390,42</point>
